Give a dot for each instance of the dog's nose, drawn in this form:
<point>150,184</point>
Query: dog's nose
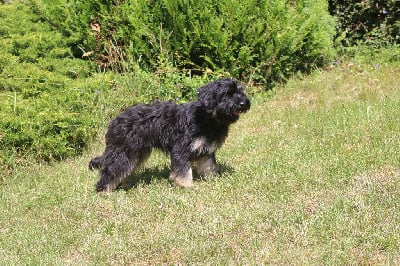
<point>242,104</point>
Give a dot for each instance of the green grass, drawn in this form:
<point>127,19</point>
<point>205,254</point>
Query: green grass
<point>311,176</point>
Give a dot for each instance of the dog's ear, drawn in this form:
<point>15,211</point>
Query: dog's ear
<point>232,88</point>
<point>208,95</point>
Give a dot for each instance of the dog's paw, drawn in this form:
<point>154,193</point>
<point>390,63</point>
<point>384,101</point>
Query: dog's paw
<point>182,182</point>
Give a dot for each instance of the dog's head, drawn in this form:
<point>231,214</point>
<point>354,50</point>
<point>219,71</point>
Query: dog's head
<point>224,99</point>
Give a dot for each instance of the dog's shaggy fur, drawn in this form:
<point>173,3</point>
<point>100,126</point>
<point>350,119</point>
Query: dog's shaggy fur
<point>190,133</point>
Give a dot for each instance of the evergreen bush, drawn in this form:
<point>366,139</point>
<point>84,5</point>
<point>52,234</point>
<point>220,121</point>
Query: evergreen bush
<point>259,40</point>
<point>52,104</point>
<point>47,98</point>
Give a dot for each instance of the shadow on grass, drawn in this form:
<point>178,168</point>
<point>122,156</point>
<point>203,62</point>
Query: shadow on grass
<point>148,175</point>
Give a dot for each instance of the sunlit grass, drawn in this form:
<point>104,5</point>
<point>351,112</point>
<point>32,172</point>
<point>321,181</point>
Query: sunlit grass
<point>311,176</point>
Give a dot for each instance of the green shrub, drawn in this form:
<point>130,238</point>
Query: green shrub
<point>256,40</point>
<point>371,22</point>
<point>47,98</point>
<point>52,104</point>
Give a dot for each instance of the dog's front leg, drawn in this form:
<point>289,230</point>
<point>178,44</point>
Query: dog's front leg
<point>181,173</point>
<point>207,166</point>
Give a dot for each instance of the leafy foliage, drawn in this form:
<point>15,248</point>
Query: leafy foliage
<point>52,104</point>
<point>46,99</point>
<point>252,40</point>
<point>372,22</point>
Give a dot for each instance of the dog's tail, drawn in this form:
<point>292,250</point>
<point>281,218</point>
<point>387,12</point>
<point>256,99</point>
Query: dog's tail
<point>96,163</point>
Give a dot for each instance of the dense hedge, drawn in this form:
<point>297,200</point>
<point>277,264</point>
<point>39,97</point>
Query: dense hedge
<point>47,98</point>
<point>260,40</point>
<point>371,22</point>
<point>52,104</point>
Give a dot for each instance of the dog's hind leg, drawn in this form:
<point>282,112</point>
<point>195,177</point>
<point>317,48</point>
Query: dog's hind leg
<point>114,173</point>
<point>141,158</point>
<point>118,168</point>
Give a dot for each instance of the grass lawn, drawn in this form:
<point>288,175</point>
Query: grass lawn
<point>311,176</point>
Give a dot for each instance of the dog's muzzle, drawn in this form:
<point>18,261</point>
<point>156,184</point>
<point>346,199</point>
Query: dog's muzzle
<point>244,106</point>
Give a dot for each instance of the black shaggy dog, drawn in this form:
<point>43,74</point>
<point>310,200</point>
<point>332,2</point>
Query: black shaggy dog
<point>190,133</point>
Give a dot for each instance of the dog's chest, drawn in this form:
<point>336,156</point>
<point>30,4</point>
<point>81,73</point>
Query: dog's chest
<point>202,146</point>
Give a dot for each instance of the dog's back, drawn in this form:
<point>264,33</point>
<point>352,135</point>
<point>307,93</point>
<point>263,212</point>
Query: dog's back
<point>146,126</point>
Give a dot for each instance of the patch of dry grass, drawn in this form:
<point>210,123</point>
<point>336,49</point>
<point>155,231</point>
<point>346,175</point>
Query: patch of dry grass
<point>311,176</point>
